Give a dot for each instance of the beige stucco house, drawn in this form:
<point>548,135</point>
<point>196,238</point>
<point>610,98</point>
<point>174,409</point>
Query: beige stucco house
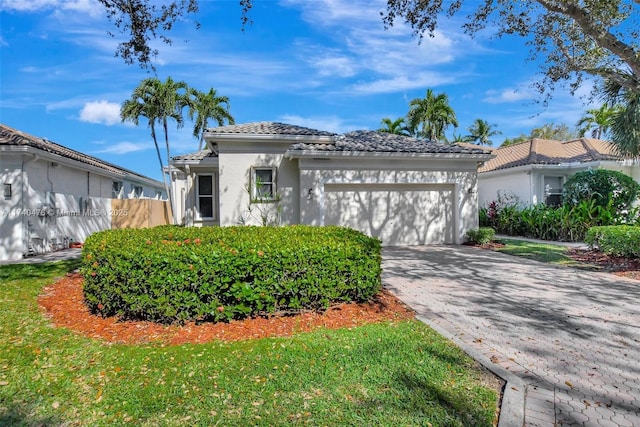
<point>402,190</point>
<point>535,171</point>
<point>52,194</point>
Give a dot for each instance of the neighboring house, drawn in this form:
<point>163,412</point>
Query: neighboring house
<point>535,171</point>
<point>53,195</point>
<point>403,190</point>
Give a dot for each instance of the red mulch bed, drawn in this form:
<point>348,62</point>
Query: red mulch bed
<point>625,267</point>
<point>63,303</point>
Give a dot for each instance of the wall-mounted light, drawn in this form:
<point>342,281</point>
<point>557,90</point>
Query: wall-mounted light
<point>7,192</point>
<point>310,194</point>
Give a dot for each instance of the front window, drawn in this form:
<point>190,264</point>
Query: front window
<point>264,184</point>
<point>205,196</point>
<point>553,190</point>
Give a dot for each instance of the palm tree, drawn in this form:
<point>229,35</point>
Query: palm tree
<point>480,131</point>
<point>458,138</point>
<point>430,116</point>
<point>553,131</point>
<point>596,120</point>
<point>625,122</point>
<point>158,102</point>
<point>205,106</point>
<point>396,127</point>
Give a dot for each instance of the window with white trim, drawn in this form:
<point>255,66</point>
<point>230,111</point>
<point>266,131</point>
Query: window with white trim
<point>205,196</point>
<point>263,184</point>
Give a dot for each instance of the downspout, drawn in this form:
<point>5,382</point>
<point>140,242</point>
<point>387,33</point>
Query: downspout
<point>23,192</point>
<point>186,191</point>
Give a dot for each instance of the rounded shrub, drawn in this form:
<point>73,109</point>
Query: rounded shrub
<point>167,274</point>
<point>606,188</point>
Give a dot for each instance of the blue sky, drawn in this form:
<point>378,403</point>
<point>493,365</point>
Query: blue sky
<point>325,64</point>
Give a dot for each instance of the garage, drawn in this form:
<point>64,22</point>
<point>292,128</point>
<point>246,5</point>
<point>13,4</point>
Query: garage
<point>398,214</point>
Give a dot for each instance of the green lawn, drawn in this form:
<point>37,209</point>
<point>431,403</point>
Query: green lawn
<point>387,374</point>
<point>545,252</point>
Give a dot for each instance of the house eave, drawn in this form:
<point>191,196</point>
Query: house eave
<point>549,166</point>
<point>364,155</point>
<point>121,175</point>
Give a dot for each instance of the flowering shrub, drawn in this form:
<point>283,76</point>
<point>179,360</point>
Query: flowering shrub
<point>168,274</point>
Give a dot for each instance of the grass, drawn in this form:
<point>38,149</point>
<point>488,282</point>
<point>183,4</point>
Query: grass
<point>389,374</point>
<point>544,252</point>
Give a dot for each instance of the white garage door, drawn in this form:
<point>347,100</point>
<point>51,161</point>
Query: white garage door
<point>398,214</point>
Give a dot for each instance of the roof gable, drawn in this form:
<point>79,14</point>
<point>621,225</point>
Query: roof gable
<point>548,152</point>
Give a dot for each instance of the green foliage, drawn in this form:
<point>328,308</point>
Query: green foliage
<point>606,188</point>
<point>55,377</point>
<point>167,274</point>
<point>480,236</point>
<point>564,223</point>
<point>602,35</point>
<point>621,240</point>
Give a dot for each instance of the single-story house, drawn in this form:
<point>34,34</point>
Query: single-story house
<point>402,190</point>
<point>535,171</point>
<point>53,195</point>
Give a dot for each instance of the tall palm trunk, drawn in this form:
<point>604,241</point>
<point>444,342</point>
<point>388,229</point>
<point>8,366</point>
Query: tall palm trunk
<point>170,187</point>
<point>164,178</point>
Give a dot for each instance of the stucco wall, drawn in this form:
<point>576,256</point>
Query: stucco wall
<point>52,202</point>
<point>458,177</point>
<point>520,183</point>
<point>12,229</point>
<point>234,181</point>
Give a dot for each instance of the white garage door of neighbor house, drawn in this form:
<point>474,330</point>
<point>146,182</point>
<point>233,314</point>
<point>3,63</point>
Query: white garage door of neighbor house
<point>398,214</point>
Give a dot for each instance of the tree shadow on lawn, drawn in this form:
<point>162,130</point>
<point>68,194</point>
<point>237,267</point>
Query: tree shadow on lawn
<point>36,271</point>
<point>21,415</point>
<point>429,404</point>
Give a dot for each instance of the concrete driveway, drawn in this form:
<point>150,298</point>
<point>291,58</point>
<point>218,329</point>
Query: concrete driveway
<point>568,341</point>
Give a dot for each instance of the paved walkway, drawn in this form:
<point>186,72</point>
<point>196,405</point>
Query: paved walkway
<point>567,341</point>
<point>62,255</point>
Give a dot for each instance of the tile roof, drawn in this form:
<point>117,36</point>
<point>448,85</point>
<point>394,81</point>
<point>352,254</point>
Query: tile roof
<point>547,152</point>
<point>13,137</point>
<point>268,128</point>
<point>357,141</point>
<point>198,155</point>
<point>382,142</point>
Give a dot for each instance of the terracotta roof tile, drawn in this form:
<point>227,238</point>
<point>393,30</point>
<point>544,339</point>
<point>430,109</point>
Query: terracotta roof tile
<point>542,151</point>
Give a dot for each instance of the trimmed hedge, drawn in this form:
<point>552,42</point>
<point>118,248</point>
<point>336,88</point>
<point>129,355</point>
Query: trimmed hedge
<point>167,274</point>
<point>617,240</point>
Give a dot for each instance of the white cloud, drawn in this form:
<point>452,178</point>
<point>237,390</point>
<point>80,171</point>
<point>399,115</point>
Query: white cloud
<point>125,147</point>
<point>508,95</point>
<point>401,83</point>
<point>90,7</point>
<point>103,112</point>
